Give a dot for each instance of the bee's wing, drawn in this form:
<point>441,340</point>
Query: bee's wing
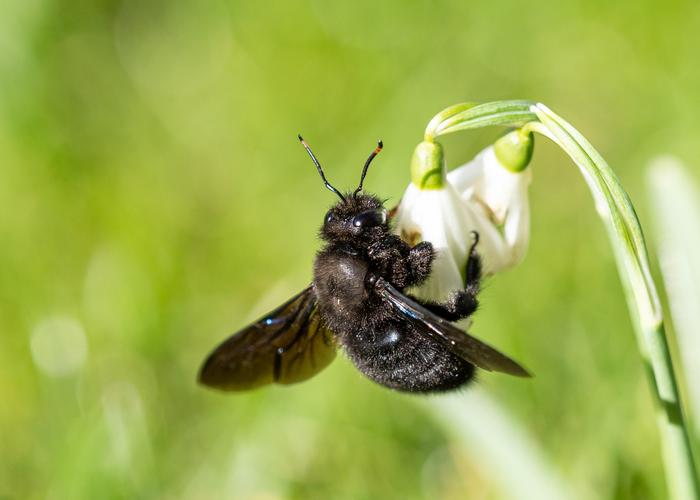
<point>288,345</point>
<point>455,340</point>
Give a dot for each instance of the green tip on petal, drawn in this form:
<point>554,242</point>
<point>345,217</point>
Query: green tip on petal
<point>514,150</point>
<point>428,166</point>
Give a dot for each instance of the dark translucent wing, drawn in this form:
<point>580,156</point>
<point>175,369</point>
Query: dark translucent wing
<point>288,345</point>
<point>457,341</point>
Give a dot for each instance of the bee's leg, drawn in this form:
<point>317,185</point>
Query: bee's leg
<point>472,273</point>
<point>462,303</point>
<point>389,257</point>
<point>400,264</point>
<point>420,260</point>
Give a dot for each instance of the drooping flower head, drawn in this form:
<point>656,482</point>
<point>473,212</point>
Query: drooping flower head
<point>488,195</point>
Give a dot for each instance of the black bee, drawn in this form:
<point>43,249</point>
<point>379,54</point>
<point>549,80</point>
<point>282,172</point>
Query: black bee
<point>356,301</point>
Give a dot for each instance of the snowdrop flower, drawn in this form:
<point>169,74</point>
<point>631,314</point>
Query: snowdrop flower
<point>487,195</point>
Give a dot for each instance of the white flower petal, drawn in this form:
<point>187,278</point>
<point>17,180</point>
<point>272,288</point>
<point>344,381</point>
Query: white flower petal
<point>500,188</point>
<point>503,197</point>
<point>465,178</point>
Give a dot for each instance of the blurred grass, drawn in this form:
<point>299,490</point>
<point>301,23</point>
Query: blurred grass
<point>153,191</point>
<point>676,201</point>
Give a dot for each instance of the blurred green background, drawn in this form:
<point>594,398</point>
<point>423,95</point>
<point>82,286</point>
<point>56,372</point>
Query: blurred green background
<point>154,199</point>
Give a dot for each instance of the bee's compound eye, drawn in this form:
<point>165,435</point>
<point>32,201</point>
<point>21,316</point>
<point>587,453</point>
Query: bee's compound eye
<point>370,218</point>
<point>329,217</point>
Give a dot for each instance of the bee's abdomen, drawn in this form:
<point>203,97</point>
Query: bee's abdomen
<point>398,357</point>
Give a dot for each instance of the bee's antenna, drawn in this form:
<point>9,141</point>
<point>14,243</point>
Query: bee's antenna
<point>318,167</point>
<point>374,153</point>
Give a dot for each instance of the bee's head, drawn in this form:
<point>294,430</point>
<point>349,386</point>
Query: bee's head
<point>357,216</point>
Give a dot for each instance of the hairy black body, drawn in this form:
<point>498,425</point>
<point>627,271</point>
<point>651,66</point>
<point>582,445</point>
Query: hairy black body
<point>357,301</point>
<point>385,348</point>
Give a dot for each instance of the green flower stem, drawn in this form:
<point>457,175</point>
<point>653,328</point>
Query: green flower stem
<point>508,113</point>
<point>442,116</point>
<point>615,208</point>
